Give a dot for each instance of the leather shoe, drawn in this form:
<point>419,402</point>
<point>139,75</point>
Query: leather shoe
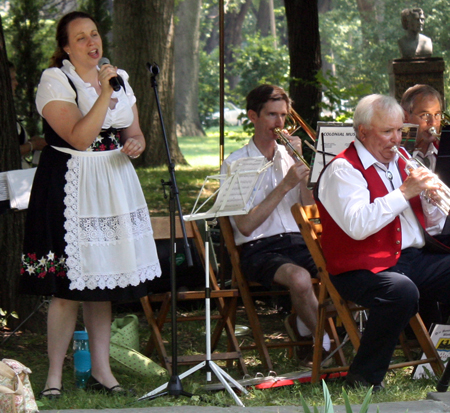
<point>304,353</point>
<point>94,385</point>
<point>47,393</point>
<point>355,380</point>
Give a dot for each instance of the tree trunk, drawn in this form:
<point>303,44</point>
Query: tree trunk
<point>211,40</point>
<point>369,27</point>
<point>186,68</point>
<point>11,223</point>
<point>304,51</point>
<point>265,20</point>
<point>143,32</point>
<point>233,38</point>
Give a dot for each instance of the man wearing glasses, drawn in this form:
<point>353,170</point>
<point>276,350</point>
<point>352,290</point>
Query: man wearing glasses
<point>422,105</point>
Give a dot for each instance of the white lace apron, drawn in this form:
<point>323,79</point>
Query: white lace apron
<point>108,230</point>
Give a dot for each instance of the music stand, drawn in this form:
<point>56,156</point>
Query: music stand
<point>234,197</point>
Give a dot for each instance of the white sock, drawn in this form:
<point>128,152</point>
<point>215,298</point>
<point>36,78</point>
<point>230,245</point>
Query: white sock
<point>326,343</point>
<point>302,329</point>
<point>305,331</point>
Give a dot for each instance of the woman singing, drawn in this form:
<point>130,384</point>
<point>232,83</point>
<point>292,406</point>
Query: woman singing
<point>88,233</point>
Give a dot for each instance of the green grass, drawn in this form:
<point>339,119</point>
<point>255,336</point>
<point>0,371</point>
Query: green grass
<point>205,150</point>
<point>203,155</point>
<point>30,349</point>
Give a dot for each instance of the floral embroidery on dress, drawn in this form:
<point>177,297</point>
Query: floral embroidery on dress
<point>46,264</point>
<point>107,141</point>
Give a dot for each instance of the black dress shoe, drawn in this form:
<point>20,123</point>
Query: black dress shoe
<point>94,385</point>
<point>47,393</point>
<point>356,380</point>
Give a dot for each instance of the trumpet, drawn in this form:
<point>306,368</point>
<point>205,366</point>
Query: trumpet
<point>442,201</point>
<point>444,122</point>
<point>435,133</point>
<point>293,123</point>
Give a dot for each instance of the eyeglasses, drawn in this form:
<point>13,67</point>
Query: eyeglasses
<point>428,117</point>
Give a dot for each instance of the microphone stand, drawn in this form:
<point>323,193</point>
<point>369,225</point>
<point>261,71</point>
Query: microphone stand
<point>174,386</point>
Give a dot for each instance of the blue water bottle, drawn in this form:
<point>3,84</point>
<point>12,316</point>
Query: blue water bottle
<point>81,358</point>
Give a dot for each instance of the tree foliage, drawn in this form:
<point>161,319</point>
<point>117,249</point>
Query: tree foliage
<point>99,10</point>
<point>358,44</point>
<point>27,32</point>
<point>11,224</point>
<point>260,62</point>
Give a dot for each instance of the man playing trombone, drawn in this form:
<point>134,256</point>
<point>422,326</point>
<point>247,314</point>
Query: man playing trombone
<point>272,248</point>
<point>377,234</point>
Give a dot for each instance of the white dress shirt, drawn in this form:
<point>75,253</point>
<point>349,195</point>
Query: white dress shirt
<point>281,219</point>
<point>431,155</point>
<point>344,193</point>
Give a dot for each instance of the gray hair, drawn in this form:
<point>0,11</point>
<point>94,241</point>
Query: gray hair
<point>412,93</point>
<point>366,107</point>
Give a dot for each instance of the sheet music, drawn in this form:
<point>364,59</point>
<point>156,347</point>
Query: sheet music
<point>332,139</point>
<point>16,186</point>
<point>19,187</point>
<point>235,192</point>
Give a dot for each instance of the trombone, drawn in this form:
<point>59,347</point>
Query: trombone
<point>293,123</point>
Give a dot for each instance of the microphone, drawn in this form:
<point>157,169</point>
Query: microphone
<point>114,81</point>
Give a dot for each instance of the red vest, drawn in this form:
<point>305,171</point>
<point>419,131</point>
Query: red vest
<point>378,251</point>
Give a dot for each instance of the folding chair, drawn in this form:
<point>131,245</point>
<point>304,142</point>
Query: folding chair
<point>308,220</point>
<point>261,343</point>
<point>223,298</point>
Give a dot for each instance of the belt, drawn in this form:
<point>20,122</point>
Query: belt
<point>272,237</point>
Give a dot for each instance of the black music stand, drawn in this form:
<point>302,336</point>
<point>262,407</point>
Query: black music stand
<point>174,386</point>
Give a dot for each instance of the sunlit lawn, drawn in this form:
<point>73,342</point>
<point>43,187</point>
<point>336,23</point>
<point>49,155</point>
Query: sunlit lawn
<point>205,150</point>
<point>203,155</point>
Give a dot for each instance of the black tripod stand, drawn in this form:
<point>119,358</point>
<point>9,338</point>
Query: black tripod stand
<point>174,386</point>
<point>442,385</point>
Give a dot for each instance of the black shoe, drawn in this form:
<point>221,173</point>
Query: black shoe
<point>51,396</point>
<point>304,353</point>
<point>94,385</point>
<point>355,380</point>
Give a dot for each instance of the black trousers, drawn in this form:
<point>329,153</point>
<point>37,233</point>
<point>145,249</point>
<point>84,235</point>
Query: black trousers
<point>392,297</point>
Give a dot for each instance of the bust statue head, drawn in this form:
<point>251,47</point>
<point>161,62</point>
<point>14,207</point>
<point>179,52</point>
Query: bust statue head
<point>413,44</point>
<point>413,20</point>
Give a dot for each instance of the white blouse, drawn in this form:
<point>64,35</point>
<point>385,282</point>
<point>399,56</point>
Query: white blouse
<point>55,86</point>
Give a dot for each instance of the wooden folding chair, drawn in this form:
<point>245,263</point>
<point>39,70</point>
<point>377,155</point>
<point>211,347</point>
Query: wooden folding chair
<point>261,343</point>
<point>308,220</point>
<point>223,298</point>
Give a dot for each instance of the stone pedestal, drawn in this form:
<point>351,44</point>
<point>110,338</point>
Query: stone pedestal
<point>404,73</point>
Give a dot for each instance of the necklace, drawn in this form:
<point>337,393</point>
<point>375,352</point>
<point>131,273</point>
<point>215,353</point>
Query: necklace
<point>388,174</point>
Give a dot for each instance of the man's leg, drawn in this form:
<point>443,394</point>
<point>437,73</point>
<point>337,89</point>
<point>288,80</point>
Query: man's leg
<point>392,300</point>
<point>304,301</point>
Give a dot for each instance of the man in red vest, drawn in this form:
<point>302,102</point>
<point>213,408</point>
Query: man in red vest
<point>377,228</point>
